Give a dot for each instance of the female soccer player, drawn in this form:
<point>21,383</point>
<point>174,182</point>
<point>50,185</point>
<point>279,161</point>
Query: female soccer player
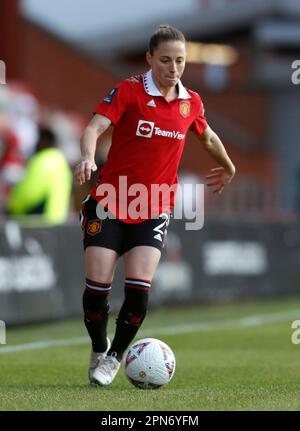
<point>124,214</point>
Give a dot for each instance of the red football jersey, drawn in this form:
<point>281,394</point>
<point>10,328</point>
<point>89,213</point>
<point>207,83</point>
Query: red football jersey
<point>139,179</point>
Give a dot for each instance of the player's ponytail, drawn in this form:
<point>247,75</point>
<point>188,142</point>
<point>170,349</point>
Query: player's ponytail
<point>164,33</point>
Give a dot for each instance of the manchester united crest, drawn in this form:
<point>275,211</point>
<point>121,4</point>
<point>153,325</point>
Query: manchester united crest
<point>94,227</point>
<point>184,108</point>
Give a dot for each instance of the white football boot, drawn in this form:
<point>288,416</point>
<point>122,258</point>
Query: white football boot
<point>106,371</point>
<point>95,358</point>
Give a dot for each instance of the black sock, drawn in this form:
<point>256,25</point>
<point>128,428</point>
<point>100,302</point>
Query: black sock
<point>96,309</point>
<point>131,315</point>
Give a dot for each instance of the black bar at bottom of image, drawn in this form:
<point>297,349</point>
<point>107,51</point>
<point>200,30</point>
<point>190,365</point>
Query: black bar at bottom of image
<point>131,420</point>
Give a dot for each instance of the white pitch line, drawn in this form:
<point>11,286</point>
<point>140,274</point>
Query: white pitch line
<point>247,321</point>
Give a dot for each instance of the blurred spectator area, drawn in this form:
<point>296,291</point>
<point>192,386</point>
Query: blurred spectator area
<point>59,80</point>
<point>22,111</point>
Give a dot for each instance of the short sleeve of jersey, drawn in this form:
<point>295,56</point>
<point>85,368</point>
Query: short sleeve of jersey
<point>115,103</point>
<point>199,124</point>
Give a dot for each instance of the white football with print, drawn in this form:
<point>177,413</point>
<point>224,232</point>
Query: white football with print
<point>149,363</point>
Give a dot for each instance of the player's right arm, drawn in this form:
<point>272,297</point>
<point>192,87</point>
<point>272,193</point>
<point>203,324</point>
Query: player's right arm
<point>108,112</point>
<point>95,128</point>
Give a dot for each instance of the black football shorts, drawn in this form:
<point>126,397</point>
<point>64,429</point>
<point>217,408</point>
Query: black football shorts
<point>118,235</point>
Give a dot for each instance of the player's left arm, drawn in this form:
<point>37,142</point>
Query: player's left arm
<point>222,175</point>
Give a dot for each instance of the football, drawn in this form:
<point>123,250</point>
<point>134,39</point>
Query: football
<point>149,363</point>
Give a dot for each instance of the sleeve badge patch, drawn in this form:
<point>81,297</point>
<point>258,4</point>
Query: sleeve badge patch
<point>109,97</point>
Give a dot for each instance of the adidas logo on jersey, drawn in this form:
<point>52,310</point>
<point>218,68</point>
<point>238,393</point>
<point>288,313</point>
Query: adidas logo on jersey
<point>151,103</point>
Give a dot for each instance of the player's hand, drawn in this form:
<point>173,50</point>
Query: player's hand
<point>221,177</point>
<point>83,171</point>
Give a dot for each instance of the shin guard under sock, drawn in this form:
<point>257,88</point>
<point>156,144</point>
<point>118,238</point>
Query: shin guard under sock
<point>131,315</point>
<point>96,309</point>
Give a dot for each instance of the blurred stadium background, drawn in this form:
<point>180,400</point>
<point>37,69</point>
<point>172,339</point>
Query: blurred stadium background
<point>62,57</point>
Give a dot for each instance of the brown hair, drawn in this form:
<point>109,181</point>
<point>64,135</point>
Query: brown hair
<point>164,33</point>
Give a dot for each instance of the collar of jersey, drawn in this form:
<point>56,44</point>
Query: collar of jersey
<point>151,88</point>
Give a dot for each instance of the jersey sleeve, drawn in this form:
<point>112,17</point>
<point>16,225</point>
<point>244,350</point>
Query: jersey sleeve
<point>199,124</point>
<point>115,103</point>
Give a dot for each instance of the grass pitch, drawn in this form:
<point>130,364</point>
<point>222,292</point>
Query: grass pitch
<point>229,357</point>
